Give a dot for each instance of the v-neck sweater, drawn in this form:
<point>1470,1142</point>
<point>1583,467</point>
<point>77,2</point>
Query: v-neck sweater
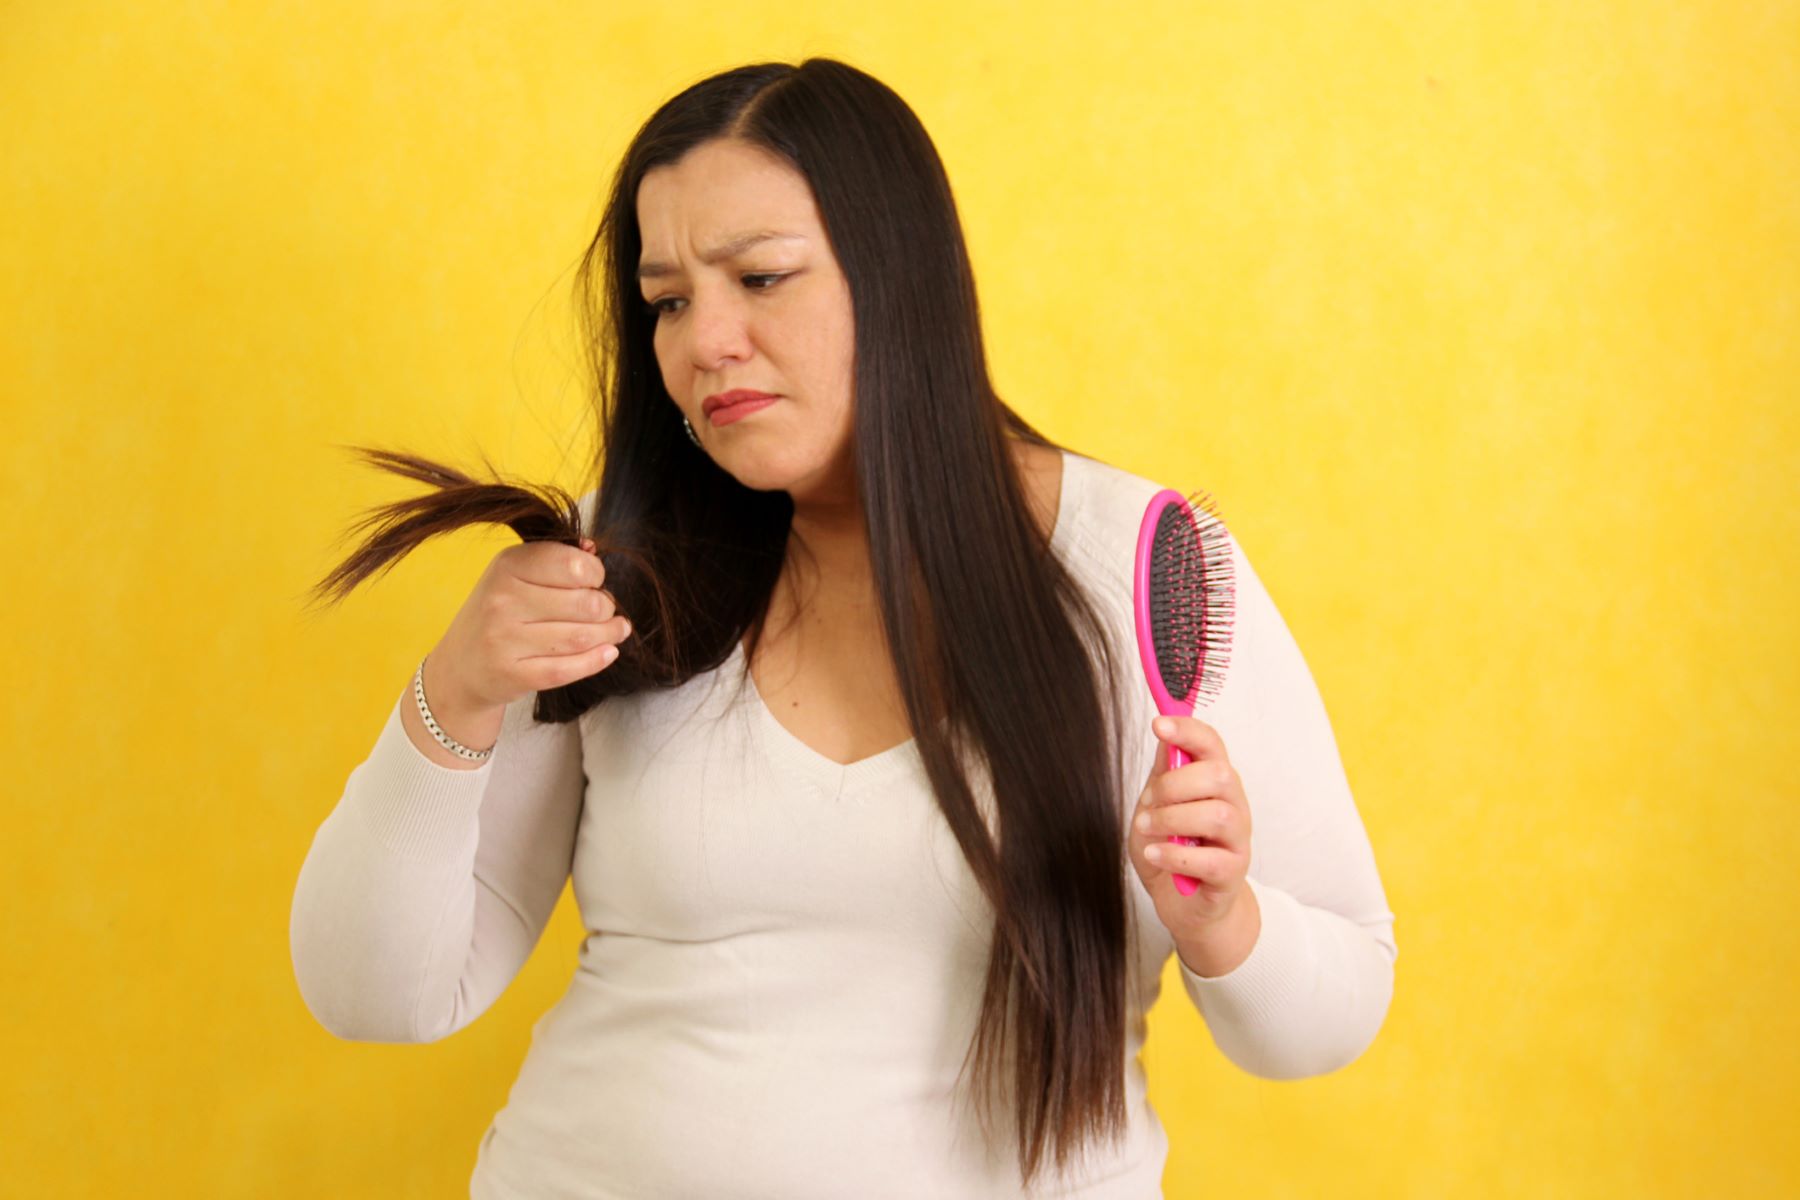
<point>782,958</point>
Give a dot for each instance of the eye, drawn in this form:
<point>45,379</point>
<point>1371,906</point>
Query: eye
<point>655,307</point>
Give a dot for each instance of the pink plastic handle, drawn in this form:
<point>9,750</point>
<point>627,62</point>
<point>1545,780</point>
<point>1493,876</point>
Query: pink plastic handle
<point>1185,884</point>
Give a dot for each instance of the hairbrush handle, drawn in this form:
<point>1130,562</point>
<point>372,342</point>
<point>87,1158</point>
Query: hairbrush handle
<point>1185,884</point>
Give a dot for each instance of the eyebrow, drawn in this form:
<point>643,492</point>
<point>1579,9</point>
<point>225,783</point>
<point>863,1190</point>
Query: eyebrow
<point>736,244</point>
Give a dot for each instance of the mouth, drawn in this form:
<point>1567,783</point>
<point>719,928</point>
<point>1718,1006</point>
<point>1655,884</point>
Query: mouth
<point>734,396</point>
<point>725,414</point>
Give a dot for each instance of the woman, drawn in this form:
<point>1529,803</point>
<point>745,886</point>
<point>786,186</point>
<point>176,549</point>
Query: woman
<point>848,815</point>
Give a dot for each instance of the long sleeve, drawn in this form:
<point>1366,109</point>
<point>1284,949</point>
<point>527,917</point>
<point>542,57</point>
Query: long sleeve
<point>1315,989</point>
<point>426,887</point>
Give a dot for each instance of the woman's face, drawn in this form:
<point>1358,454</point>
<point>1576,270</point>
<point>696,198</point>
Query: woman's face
<point>772,315</point>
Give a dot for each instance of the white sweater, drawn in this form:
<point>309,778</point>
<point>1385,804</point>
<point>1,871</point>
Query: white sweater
<point>783,955</point>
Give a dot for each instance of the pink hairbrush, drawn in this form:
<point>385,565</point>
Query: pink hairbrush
<point>1182,599</point>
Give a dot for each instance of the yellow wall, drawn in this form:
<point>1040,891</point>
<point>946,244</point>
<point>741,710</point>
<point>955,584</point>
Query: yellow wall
<point>1481,326</point>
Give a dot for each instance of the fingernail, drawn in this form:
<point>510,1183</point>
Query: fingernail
<point>1164,726</point>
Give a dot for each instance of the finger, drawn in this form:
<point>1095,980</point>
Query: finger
<point>552,564</point>
<point>575,604</point>
<point>1211,865</point>
<point>1159,758</point>
<point>554,639</point>
<point>1216,820</point>
<point>1195,737</point>
<point>1168,750</point>
<point>1201,780</point>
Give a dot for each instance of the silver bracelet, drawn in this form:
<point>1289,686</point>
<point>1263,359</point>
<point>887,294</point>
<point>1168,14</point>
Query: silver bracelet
<point>445,740</point>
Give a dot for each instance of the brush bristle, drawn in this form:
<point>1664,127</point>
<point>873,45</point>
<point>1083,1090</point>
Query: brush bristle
<point>1191,598</point>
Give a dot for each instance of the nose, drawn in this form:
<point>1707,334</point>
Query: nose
<point>717,330</point>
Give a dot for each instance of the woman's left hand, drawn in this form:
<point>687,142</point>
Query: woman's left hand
<point>1204,799</point>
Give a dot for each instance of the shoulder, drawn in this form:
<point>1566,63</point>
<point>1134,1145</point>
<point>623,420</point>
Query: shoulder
<point>1105,508</point>
<point>1112,494</point>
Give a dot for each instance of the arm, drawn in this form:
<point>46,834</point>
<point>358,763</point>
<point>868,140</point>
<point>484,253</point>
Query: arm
<point>1315,987</point>
<point>427,886</point>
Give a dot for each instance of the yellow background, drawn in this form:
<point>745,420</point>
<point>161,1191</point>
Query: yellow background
<point>1480,324</point>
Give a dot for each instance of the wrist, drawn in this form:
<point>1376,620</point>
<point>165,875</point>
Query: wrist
<point>472,725</point>
<point>1222,946</point>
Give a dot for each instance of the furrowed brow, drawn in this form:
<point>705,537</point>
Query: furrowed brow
<point>736,244</point>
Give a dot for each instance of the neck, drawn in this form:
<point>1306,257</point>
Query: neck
<point>833,550</point>
<point>828,521</point>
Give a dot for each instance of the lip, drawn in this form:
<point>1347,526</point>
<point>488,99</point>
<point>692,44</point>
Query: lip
<point>725,414</point>
<point>734,396</point>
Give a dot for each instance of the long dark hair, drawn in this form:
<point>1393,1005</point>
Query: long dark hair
<point>988,632</point>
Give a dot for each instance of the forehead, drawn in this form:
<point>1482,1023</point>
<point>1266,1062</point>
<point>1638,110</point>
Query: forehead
<point>718,190</point>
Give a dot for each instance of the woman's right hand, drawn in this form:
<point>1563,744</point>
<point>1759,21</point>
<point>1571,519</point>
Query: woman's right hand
<point>537,619</point>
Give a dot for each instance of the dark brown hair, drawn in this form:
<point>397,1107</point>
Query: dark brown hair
<point>987,629</point>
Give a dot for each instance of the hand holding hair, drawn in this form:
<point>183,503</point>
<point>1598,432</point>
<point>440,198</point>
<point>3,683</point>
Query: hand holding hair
<point>538,618</point>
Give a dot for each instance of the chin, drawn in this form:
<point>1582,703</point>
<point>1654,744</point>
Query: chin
<point>767,472</point>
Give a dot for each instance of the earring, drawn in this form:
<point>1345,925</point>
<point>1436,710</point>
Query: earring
<point>690,430</point>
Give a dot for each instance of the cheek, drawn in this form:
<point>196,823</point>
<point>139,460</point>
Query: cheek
<point>820,351</point>
<point>831,320</point>
<point>833,347</point>
<point>670,363</point>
